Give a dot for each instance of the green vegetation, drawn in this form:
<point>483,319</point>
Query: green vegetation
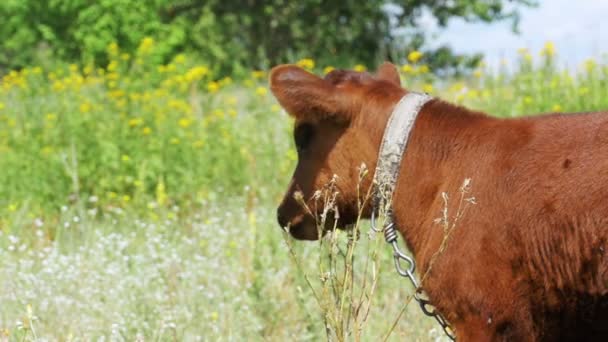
<point>138,199</point>
<point>234,36</point>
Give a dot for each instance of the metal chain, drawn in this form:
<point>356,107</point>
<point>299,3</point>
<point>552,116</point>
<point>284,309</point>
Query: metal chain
<point>390,235</point>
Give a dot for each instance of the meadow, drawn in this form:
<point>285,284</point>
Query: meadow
<point>137,202</point>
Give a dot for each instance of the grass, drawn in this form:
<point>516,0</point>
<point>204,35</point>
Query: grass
<point>138,201</point>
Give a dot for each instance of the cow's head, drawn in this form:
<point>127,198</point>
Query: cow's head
<point>339,123</point>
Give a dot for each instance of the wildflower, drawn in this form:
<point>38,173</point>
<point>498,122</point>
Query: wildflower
<point>185,122</point>
<point>125,56</point>
<point>424,69</point>
<point>261,91</point>
<point>360,68</point>
<point>414,56</point>
<point>407,68</point>
<point>125,158</point>
<point>590,65</point>
<point>180,59</point>
<point>306,63</point>
<point>134,122</point>
<point>126,198</point>
<point>112,48</point>
<point>146,130</point>
<point>275,108</point>
<point>328,69</point>
<point>226,81</point>
<point>557,108</point>
<point>113,66</point>
<point>196,73</point>
<point>85,107</point>
<point>213,87</point>
<point>258,74</point>
<point>427,88</point>
<point>146,45</point>
<point>548,50</point>
<point>161,194</point>
<point>528,100</point>
<point>218,113</point>
<point>1,106</point>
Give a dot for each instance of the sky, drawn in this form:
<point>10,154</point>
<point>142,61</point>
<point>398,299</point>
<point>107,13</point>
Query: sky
<point>578,28</point>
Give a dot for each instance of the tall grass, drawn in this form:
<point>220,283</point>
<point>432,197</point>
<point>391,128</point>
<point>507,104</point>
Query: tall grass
<point>137,202</point>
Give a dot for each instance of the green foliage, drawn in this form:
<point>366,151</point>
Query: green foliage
<point>233,35</point>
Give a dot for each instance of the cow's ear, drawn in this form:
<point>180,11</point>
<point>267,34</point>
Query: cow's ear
<point>388,72</point>
<point>304,95</point>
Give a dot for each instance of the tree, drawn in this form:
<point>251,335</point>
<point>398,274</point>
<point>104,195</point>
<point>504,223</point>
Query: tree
<point>231,35</point>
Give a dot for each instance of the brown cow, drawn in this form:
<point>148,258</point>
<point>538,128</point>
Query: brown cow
<point>528,262</point>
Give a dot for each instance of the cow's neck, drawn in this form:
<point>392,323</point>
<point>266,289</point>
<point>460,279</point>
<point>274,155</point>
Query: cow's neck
<point>439,135</point>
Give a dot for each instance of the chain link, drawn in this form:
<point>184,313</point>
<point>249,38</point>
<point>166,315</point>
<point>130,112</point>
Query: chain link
<point>390,235</point>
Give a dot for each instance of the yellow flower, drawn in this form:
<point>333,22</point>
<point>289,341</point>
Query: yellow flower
<point>275,108</point>
<point>51,117</point>
<point>548,50</point>
<point>113,66</point>
<point>406,68</point>
<point>258,74</point>
<point>1,106</point>
<point>306,63</point>
<point>112,48</point>
<point>146,45</point>
<point>528,100</point>
<point>12,207</point>
<point>213,87</point>
<point>226,81</point>
<point>185,122</point>
<point>161,194</point>
<point>414,56</point>
<point>423,69</point>
<point>360,68</point>
<point>557,108</point>
<point>218,113</point>
<point>134,122</point>
<point>85,107</point>
<point>125,56</point>
<point>180,59</point>
<point>427,88</point>
<point>590,65</point>
<point>261,91</point>
<point>328,69</point>
<point>146,130</point>
<point>125,158</point>
<point>174,141</point>
<point>196,73</point>
<point>126,198</point>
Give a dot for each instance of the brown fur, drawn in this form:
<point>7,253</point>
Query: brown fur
<point>529,261</point>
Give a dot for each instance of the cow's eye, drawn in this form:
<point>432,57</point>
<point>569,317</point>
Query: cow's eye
<point>303,135</point>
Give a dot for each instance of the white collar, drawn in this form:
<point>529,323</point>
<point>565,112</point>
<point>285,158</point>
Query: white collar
<point>394,143</point>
